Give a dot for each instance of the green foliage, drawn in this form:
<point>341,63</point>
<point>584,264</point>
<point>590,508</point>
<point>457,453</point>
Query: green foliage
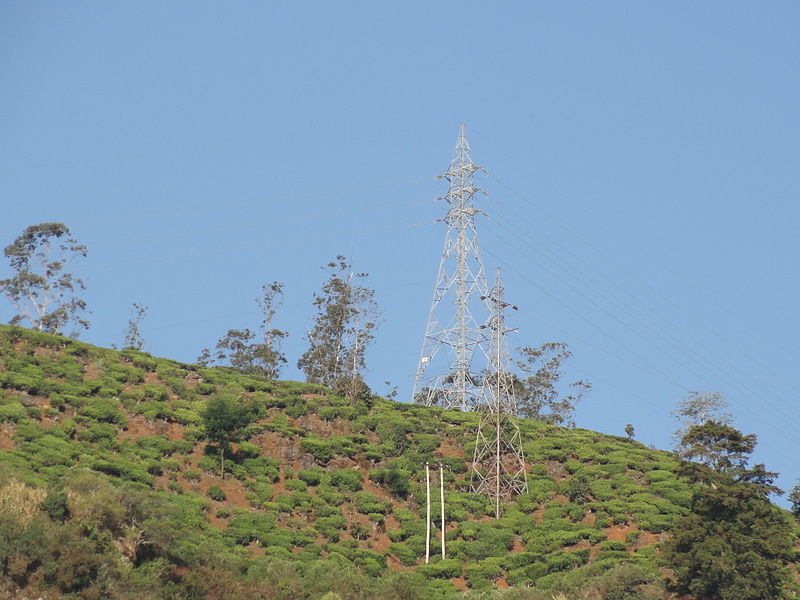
<point>267,547</point>
<point>538,394</point>
<point>216,493</point>
<point>367,503</point>
<point>734,544</point>
<point>223,417</point>
<point>343,328</point>
<point>442,569</point>
<point>239,347</point>
<point>12,411</point>
<point>321,450</point>
<point>41,290</point>
<point>395,479</point>
<point>103,410</point>
<point>313,476</point>
<point>331,527</point>
<point>718,446</point>
<point>346,479</point>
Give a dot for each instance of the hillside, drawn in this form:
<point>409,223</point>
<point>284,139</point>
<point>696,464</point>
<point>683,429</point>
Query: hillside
<point>103,452</point>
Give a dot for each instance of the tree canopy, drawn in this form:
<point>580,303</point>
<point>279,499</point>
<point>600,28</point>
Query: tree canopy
<point>538,391</point>
<point>735,544</point>
<point>41,290</point>
<point>223,417</point>
<point>345,324</point>
<point>242,349</point>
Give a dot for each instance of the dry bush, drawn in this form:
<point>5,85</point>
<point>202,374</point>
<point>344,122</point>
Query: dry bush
<point>21,502</point>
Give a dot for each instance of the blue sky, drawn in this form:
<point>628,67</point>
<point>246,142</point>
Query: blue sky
<point>643,178</point>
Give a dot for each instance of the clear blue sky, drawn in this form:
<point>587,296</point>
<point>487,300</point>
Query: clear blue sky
<point>643,186</point>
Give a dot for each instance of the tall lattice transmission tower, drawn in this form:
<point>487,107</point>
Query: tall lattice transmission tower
<point>445,374</point>
<point>498,464</point>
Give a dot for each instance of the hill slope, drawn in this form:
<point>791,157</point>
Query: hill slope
<point>103,452</point>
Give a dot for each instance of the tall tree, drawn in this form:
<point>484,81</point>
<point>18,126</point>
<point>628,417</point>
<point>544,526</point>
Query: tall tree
<point>696,409</point>
<point>630,432</point>
<point>794,498</point>
<point>345,324</point>
<point>241,349</point>
<point>539,393</point>
<point>719,447</point>
<point>223,418</point>
<point>735,544</point>
<point>41,290</point>
<point>133,335</point>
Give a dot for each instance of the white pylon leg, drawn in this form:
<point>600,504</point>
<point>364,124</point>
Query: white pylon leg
<point>445,374</point>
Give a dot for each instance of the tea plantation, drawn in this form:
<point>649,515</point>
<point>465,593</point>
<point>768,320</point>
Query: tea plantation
<point>110,489</point>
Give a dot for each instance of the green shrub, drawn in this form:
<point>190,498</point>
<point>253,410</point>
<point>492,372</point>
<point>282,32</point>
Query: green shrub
<point>396,480</point>
<point>346,479</point>
<point>186,416</point>
<point>247,527</point>
<point>330,527</point>
<point>296,485</point>
<point>313,476</point>
<point>564,561</point>
<point>171,465</point>
<point>57,401</point>
<point>194,434</point>
<point>426,442</point>
<point>404,554</point>
<point>482,574</point>
<point>611,545</point>
<point>97,432</point>
<point>367,503</point>
<point>359,531</point>
<point>216,493</point>
<point>330,495</point>
<point>260,494</point>
<point>209,464</point>
<point>321,450</point>
<point>12,412</point>
<point>155,410</point>
<point>443,569</point>
<point>247,450</point>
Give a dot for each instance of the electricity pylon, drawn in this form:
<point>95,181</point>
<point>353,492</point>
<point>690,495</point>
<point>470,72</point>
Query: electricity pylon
<point>498,464</point>
<point>445,375</point>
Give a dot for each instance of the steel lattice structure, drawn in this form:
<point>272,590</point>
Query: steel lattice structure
<point>498,464</point>
<point>453,339</point>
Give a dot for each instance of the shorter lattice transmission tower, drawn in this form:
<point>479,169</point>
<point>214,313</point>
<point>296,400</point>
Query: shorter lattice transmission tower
<point>498,464</point>
<point>453,339</point>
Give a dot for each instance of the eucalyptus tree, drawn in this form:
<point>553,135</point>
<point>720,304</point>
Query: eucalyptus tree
<point>539,392</point>
<point>253,352</point>
<point>344,325</point>
<point>42,291</point>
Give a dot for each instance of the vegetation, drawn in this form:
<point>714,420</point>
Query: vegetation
<point>133,334</point>
<point>538,392</point>
<point>111,486</point>
<point>734,544</point>
<point>698,408</point>
<point>239,348</point>
<point>343,328</point>
<point>42,292</point>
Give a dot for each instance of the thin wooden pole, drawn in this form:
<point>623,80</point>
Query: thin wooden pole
<point>427,513</point>
<point>441,501</point>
